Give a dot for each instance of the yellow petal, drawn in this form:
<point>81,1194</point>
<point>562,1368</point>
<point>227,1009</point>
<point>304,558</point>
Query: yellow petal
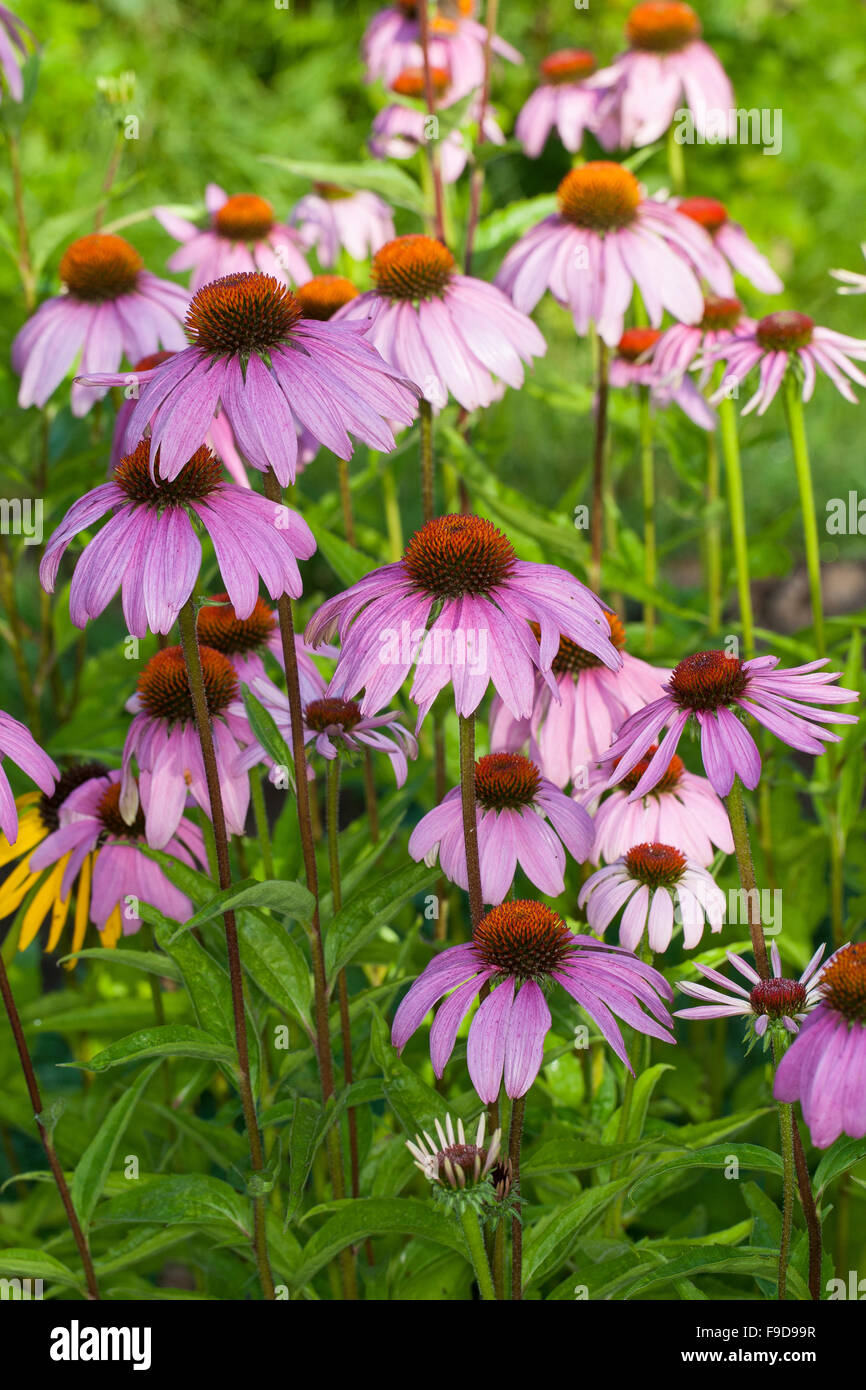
<point>15,888</point>
<point>113,929</point>
<point>35,915</point>
<point>82,908</point>
<point>31,832</point>
<point>59,913</point>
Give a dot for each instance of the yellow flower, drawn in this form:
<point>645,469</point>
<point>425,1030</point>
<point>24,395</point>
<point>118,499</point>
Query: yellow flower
<point>37,819</point>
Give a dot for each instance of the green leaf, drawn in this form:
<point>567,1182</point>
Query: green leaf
<point>20,1263</point>
<point>281,895</point>
<point>717,1156</point>
<point>310,1124</point>
<point>274,960</point>
<point>549,1240</point>
<point>841,1156</point>
<point>575,1155</point>
<point>392,183</point>
<point>716,1259</point>
<point>95,1163</point>
<point>210,990</point>
<point>357,1218</point>
<point>153,962</point>
<point>508,223</point>
<point>641,1097</point>
<point>169,1040</point>
<point>193,1198</point>
<point>415,1104</point>
<point>264,726</point>
<point>361,917</point>
<point>348,564</point>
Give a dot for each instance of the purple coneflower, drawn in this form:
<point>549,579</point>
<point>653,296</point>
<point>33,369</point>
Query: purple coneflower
<point>90,823</point>
<point>151,550</point>
<point>522,946</point>
<point>400,131</point>
<point>730,239</point>
<point>449,333</point>
<point>708,687</point>
<point>682,809</point>
<point>17,743</point>
<point>271,372</point>
<point>335,726</point>
<point>563,101</point>
<point>245,640</point>
<point>779,342</point>
<point>13,51</point>
<point>164,740</point>
<point>665,66</point>
<point>572,725</point>
<point>522,819</point>
<point>243,235</point>
<point>635,365</point>
<point>606,239</point>
<point>484,599</point>
<point>825,1066</point>
<point>777,1000</point>
<point>391,43</point>
<point>331,219</point>
<point>219,437</point>
<point>111,307</point>
<point>682,343</point>
<point>646,881</point>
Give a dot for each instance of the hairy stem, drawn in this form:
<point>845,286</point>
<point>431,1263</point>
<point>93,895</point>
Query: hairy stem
<point>273,492</point>
<point>44,1134</point>
<point>192,657</point>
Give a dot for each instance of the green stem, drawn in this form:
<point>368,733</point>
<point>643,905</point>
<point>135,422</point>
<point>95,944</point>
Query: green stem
<point>45,1132</point>
<point>596,520</point>
<point>647,473</point>
<point>427,464</point>
<point>195,676</point>
<point>786,1131</point>
<point>514,1137</point>
<point>743,849</point>
<point>393,522</point>
<point>676,163</point>
<point>470,816</point>
<point>346,501</point>
<point>737,509</point>
<point>713,551</point>
<point>333,820</point>
<point>263,833</point>
<point>797,431</point>
<point>475,1241</point>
